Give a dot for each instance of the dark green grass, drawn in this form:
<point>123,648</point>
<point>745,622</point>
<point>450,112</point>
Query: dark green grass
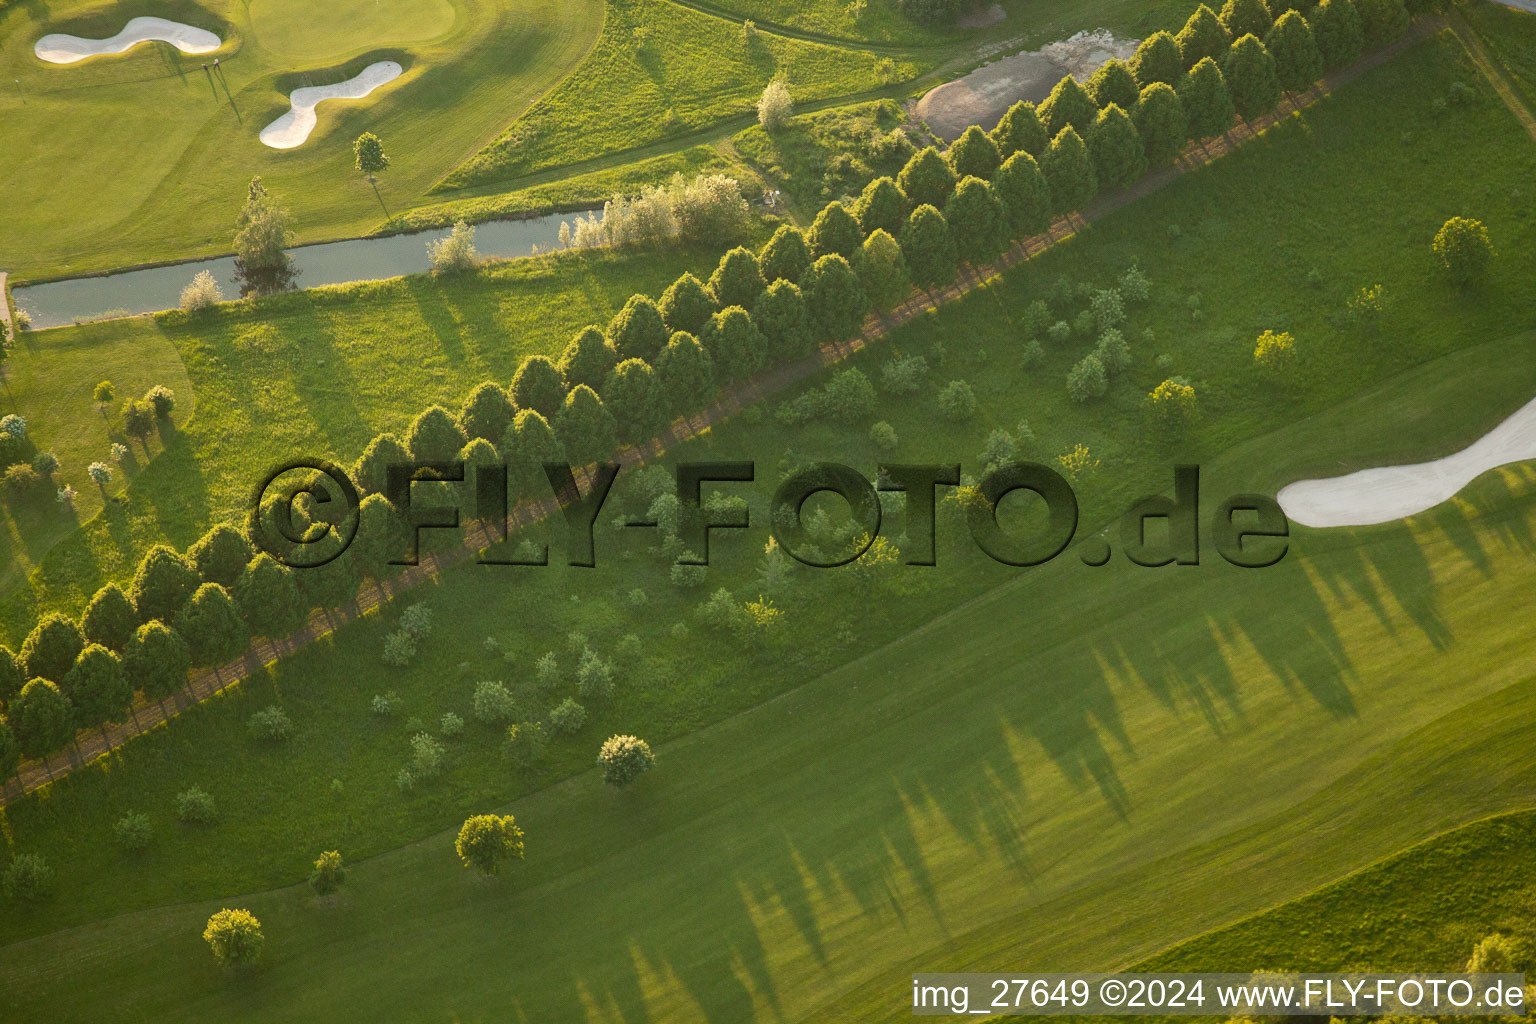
<point>1074,738</point>
<point>1510,36</point>
<point>1070,738</point>
<point>691,70</point>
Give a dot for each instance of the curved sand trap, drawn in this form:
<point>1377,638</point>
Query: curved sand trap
<point>1392,492</point>
<point>58,48</point>
<point>290,130</point>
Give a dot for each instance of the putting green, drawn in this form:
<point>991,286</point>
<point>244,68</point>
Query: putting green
<point>306,32</point>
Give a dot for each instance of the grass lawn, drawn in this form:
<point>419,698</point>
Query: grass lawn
<point>579,192</point>
<point>1036,20</point>
<point>662,70</point>
<point>1510,36</point>
<point>1128,773</point>
<point>1066,739</point>
<point>193,140</point>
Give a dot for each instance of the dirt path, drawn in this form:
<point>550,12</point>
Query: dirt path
<point>1479,54</point>
<point>204,684</point>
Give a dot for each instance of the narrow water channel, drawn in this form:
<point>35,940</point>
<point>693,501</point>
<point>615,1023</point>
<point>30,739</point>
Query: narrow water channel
<point>58,303</point>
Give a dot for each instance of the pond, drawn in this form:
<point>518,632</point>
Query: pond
<point>59,303</point>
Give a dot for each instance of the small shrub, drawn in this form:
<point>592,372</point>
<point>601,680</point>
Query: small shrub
<point>775,107</point>
<point>450,725</point>
<point>161,399</point>
<point>1113,352</point>
<point>1087,380</point>
<point>686,576</point>
<point>957,402</point>
<point>1078,462</point>
<point>1059,332</point>
<point>594,678</point>
<point>1496,954</point>
<point>133,832</point>
<point>1172,405</point>
<point>903,375</point>
<point>416,622</point>
<point>384,705</point>
<point>399,649</point>
<point>567,717</point>
<point>1275,354</point>
<point>194,807</point>
<point>1000,448</point>
<point>883,436</point>
<point>234,936</point>
<point>547,670</point>
<point>426,756</point>
<point>29,878</point>
<point>269,725</point>
<point>493,705</point>
<point>201,293</point>
<point>1085,325</point>
<point>405,780</point>
<point>1108,309</point>
<point>456,252</point>
<point>1135,286</point>
<point>1033,355</point>
<point>624,759</point>
<point>328,874</point>
<point>1366,306</point>
<point>526,743</point>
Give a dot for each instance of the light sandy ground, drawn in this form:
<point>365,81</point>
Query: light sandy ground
<point>290,130</point>
<point>984,95</point>
<point>1393,492</point>
<point>58,48</point>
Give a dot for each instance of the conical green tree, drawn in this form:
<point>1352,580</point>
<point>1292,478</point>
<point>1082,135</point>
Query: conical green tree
<point>686,305</point>
<point>834,232</point>
<point>486,413</point>
<point>1298,62</point>
<point>109,619</point>
<point>50,650</point>
<point>979,222</point>
<point>834,298</point>
<point>1020,131</point>
<point>435,434</point>
<point>631,394</point>
<point>1203,35</point>
<point>269,598</point>
<point>1069,172</point>
<point>1025,195</point>
<point>97,688</point>
<point>585,427</point>
<point>929,248</point>
<point>974,154</point>
<point>1158,59</point>
<point>1207,104</point>
<point>927,178</point>
<point>1252,78</point>
<point>685,375</point>
<point>589,357</point>
<point>1068,105</point>
<point>40,718</point>
<point>636,332</point>
<point>781,316</point>
<point>1245,17</point>
<point>1159,119</point>
<point>1339,34</point>
<point>1115,145</point>
<point>212,626</point>
<point>1113,83</point>
<point>735,346</point>
<point>157,661</point>
<point>737,281</point>
<point>785,256</point>
<point>881,207</point>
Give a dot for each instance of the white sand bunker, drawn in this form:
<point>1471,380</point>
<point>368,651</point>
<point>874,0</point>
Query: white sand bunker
<point>1393,492</point>
<point>984,95</point>
<point>290,130</point>
<point>59,48</point>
